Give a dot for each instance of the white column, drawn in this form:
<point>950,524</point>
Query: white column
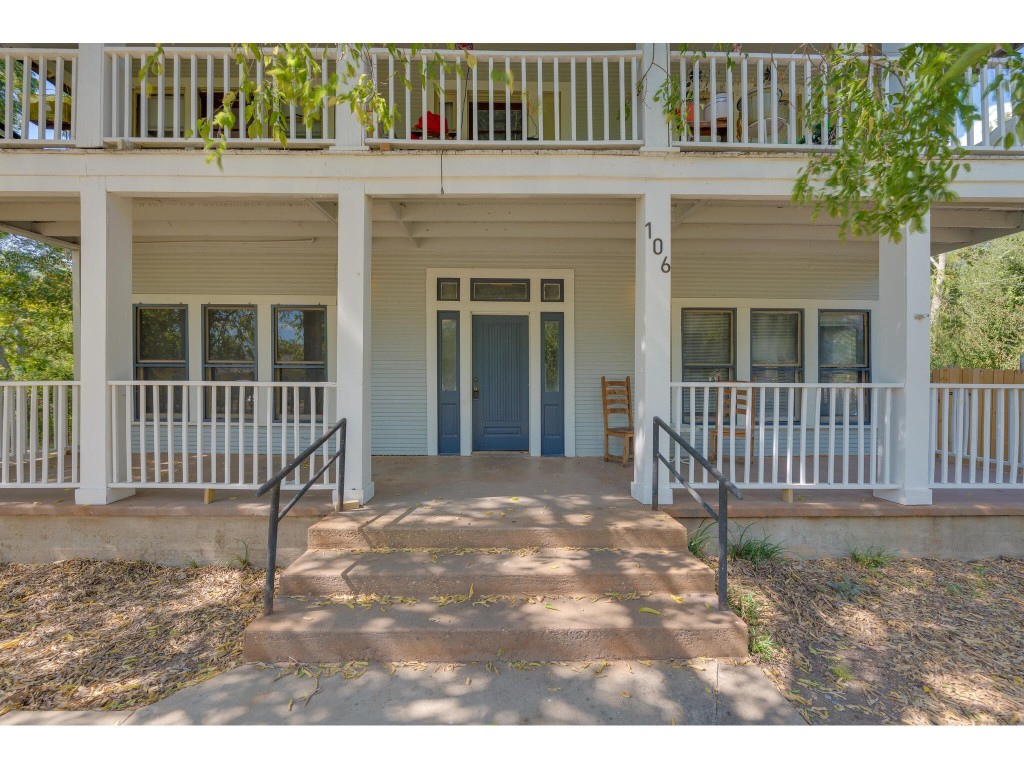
<point>106,332</point>
<point>91,95</point>
<point>653,331</point>
<point>76,312</point>
<point>656,64</point>
<point>904,355</point>
<point>355,212</point>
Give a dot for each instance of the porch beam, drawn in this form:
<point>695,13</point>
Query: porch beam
<point>653,334</point>
<point>904,281</point>
<point>105,343</point>
<point>355,236</point>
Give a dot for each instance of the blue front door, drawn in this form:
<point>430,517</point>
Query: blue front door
<point>501,383</point>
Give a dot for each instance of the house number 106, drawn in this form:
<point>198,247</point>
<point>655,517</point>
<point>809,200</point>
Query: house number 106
<point>658,246</point>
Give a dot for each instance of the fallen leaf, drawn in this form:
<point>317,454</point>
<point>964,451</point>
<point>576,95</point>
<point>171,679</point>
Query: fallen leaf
<point>645,609</point>
<point>550,607</point>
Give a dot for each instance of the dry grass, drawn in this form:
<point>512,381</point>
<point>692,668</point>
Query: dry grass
<point>916,641</point>
<point>83,634</point>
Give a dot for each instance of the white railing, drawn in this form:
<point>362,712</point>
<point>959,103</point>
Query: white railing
<point>190,85</point>
<point>759,99</point>
<point>520,99</point>
<point>38,433</point>
<point>796,435</point>
<point>995,110</point>
<point>976,432</point>
<point>37,109</point>
<point>749,99</point>
<point>201,434</point>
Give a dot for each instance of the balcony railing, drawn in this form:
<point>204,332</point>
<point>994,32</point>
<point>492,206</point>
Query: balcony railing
<point>201,434</point>
<point>496,99</point>
<point>788,435</point>
<point>38,433</point>
<point>37,96</point>
<point>191,85</point>
<point>757,101</point>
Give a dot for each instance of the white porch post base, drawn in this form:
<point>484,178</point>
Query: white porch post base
<point>99,496</point>
<point>643,493</point>
<point>361,495</point>
<point>910,497</point>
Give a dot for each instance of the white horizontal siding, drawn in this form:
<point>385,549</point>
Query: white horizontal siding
<point>822,276</point>
<point>235,269</point>
<point>604,334</point>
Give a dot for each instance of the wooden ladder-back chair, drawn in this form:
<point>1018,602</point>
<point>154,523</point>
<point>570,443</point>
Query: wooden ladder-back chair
<point>731,411</point>
<point>617,403</point>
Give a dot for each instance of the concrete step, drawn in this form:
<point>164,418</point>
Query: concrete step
<point>420,573</point>
<point>550,629</point>
<point>505,523</point>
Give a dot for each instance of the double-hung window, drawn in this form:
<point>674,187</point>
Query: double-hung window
<point>229,354</point>
<point>161,353</point>
<point>300,355</point>
<point>777,356</point>
<point>708,354</point>
<point>843,356</point>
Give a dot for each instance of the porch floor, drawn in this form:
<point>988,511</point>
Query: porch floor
<point>465,490</point>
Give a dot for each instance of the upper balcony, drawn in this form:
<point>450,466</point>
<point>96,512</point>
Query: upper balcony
<point>565,97</point>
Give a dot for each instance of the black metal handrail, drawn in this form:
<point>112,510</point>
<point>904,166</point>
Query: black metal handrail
<point>725,487</point>
<point>276,516</point>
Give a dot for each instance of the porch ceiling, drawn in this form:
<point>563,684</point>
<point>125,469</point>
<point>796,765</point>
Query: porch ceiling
<point>716,227</point>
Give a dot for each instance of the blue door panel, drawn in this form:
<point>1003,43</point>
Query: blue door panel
<point>501,398</point>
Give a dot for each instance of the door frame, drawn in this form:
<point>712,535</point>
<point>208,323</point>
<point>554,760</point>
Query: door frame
<point>532,309</point>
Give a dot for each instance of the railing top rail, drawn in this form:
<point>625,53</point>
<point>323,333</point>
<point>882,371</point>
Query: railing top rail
<point>481,54</point>
<point>805,56</point>
<point>780,385</point>
<point>298,460</point>
<point>36,383</point>
<point>660,422</point>
<point>65,53</point>
<point>187,50</point>
<point>263,384</point>
<point>967,385</point>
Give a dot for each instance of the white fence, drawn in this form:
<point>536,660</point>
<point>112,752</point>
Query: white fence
<point>218,435</point>
<point>38,433</point>
<point>191,84</point>
<point>498,98</point>
<point>976,431</point>
<point>37,91</point>
<point>796,435</point>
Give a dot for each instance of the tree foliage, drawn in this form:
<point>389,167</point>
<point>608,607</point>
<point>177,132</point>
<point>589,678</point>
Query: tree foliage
<point>36,329</point>
<point>978,313</point>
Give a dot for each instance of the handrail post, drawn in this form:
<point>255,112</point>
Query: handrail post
<point>655,458</point>
<point>723,534</point>
<point>268,592</point>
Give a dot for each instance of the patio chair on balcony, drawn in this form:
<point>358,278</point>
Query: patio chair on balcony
<point>617,403</point>
<point>735,417</point>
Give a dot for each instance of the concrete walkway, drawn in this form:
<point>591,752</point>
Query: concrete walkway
<point>708,692</point>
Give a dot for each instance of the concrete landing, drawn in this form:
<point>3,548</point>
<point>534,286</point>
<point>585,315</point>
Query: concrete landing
<point>706,692</point>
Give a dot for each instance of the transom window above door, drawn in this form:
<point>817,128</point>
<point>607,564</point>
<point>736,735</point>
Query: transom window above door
<point>499,289</point>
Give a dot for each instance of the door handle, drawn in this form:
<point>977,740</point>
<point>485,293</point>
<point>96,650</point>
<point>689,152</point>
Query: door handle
<point>476,393</point>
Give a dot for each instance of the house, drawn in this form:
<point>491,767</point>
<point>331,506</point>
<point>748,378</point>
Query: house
<point>460,282</point>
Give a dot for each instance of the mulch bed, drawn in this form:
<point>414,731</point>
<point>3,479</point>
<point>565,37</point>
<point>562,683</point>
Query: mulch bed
<point>83,634</point>
<point>912,641</point>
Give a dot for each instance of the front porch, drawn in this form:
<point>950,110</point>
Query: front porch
<point>490,496</point>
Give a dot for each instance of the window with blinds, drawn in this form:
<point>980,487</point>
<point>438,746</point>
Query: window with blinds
<point>709,354</point>
<point>777,356</point>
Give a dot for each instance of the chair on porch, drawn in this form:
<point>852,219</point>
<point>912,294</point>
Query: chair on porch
<point>617,403</point>
<point>732,410</point>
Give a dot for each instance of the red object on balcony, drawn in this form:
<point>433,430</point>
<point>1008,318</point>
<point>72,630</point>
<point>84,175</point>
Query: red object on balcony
<point>434,127</point>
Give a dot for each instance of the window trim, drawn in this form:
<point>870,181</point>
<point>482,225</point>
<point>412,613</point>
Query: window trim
<point>801,344</point>
<point>682,339</point>
<point>169,363</point>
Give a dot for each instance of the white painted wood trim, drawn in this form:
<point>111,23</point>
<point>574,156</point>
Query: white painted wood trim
<point>531,309</point>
